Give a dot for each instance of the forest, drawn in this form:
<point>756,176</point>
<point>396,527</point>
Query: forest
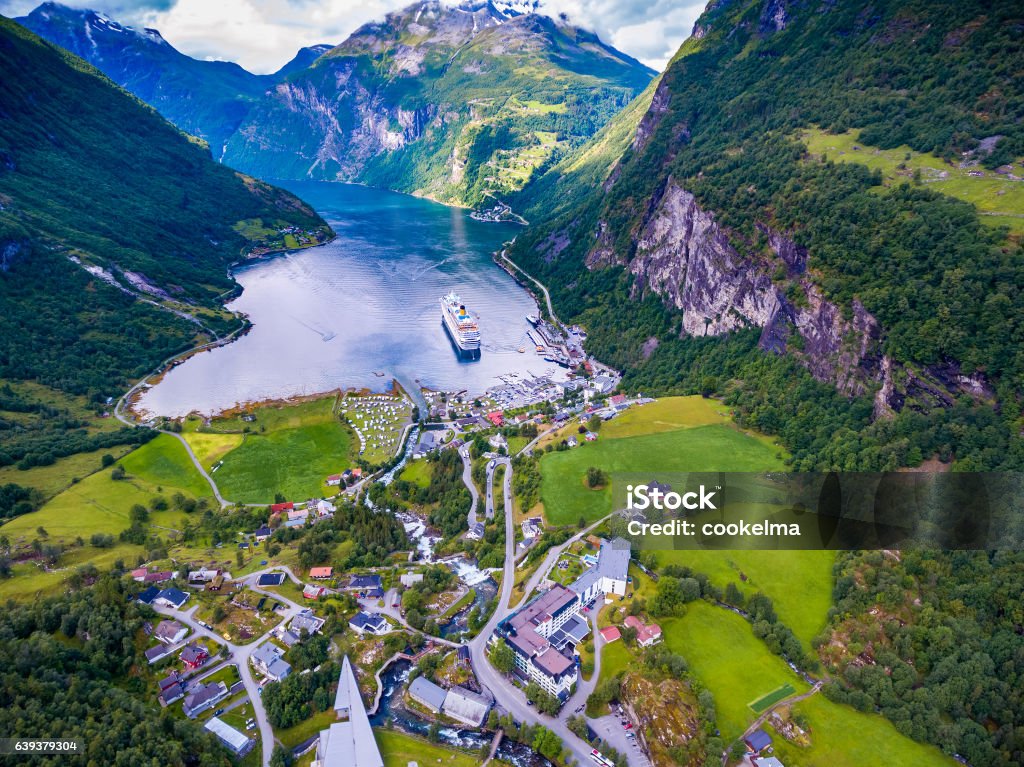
<point>944,286</point>
<point>942,635</point>
<point>67,670</point>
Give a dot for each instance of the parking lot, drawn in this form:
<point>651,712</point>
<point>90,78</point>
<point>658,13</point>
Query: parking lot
<point>611,730</point>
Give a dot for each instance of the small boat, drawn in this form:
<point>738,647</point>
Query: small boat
<point>522,350</point>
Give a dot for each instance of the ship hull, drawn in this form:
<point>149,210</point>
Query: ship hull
<point>463,352</point>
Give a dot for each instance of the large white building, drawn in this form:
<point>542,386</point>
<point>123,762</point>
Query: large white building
<point>350,742</point>
<point>529,632</point>
<point>608,576</point>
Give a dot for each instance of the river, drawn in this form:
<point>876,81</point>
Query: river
<point>363,309</point>
<point>392,712</point>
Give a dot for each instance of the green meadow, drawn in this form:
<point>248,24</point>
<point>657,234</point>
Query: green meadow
<point>726,657</point>
<point>999,200</point>
<point>100,504</point>
<point>844,737</point>
<point>798,582</point>
<point>289,449</point>
<point>714,447</point>
<point>399,749</point>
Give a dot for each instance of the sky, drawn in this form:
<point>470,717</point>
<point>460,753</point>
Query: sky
<point>262,35</point>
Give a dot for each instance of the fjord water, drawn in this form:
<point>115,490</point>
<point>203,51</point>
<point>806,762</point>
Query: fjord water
<point>338,315</point>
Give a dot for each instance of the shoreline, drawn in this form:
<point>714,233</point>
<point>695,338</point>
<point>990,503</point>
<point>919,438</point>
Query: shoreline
<point>129,404</point>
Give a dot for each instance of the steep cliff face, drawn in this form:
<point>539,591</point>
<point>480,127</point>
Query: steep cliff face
<point>453,102</point>
<point>685,257</point>
<point>716,208</point>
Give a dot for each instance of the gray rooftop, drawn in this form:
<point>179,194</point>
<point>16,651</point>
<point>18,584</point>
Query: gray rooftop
<point>427,693</point>
<point>466,706</point>
<point>613,561</point>
<point>349,743</point>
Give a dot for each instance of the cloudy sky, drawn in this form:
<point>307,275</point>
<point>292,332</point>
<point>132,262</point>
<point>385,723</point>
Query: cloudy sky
<point>261,35</point>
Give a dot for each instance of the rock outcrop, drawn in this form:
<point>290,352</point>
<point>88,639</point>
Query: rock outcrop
<point>684,256</point>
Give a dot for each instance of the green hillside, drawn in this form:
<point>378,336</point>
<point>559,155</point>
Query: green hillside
<point>919,254</point>
<point>462,104</point>
<point>116,231</point>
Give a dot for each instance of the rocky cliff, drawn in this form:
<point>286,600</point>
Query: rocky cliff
<point>457,103</point>
<point>716,209</point>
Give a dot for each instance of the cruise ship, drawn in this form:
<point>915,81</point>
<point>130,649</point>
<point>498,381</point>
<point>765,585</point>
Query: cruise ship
<point>461,326</point>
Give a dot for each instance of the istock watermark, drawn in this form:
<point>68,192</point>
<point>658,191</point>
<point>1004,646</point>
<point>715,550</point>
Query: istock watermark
<point>890,511</point>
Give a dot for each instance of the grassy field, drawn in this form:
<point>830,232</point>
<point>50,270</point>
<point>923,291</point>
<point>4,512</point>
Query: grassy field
<point>799,582</point>
<point>165,462</point>
<point>714,447</point>
<point>99,504</point>
<point>666,414</point>
<point>210,446</point>
<point>767,701</point>
<point>729,660</point>
<point>999,199</point>
<point>398,749</point>
<point>290,450</point>
<point>844,737</point>
<point>417,472</point>
<point>59,476</point>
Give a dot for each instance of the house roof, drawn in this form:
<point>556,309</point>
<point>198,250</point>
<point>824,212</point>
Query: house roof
<point>204,693</point>
<point>552,662</point>
<point>363,619</point>
<point>261,531</point>
<point>270,579</point>
<point>321,572</point>
<point>177,597</point>
<point>279,507</point>
<point>308,621</point>
<point>758,740</point>
<point>428,693</point>
<point>233,738</point>
<point>148,595</point>
<point>167,630</point>
<point>167,681</point>
<point>466,706</point>
<point>767,761</point>
<point>155,653</point>
<point>610,633</point>
<point>613,560</point>
<point>193,653</point>
<point>364,582</point>
<point>266,653</point>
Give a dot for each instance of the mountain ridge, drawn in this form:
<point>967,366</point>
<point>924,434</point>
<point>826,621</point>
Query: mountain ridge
<point>407,102</point>
<point>714,221</point>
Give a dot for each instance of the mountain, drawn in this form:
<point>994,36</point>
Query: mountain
<point>816,212</point>
<point>116,229</point>
<point>302,60</point>
<point>456,103</point>
<point>208,99</point>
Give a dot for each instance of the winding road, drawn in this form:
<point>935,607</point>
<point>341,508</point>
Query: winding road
<point>240,654</point>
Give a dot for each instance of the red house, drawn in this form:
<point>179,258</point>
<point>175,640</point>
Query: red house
<point>193,656</point>
<point>277,508</point>
<point>496,417</point>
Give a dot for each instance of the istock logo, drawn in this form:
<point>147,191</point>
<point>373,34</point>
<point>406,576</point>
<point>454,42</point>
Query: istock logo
<point>641,497</point>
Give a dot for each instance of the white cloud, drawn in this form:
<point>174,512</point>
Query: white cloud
<point>262,35</point>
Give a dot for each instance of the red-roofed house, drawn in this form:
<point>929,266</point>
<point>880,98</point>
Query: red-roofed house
<point>610,633</point>
<point>277,508</point>
<point>496,417</point>
<point>646,634</point>
<point>139,574</point>
<point>321,573</point>
<point>334,479</point>
<point>312,592</point>
<point>617,399</point>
